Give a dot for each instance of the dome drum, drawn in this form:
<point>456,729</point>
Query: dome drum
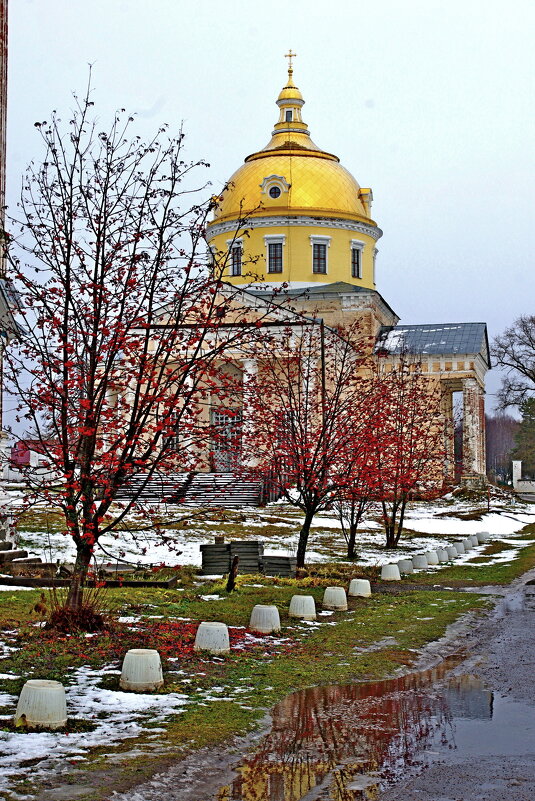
<point>300,249</point>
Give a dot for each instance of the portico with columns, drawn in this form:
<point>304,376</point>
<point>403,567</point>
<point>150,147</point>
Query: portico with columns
<point>458,355</point>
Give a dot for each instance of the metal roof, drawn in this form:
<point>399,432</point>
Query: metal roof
<point>436,339</point>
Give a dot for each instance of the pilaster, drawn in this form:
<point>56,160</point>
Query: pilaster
<point>474,468</point>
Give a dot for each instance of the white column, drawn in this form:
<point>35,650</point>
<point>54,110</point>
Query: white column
<point>473,429</point>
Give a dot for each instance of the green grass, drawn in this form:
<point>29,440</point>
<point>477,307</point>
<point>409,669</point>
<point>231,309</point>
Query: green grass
<point>38,519</point>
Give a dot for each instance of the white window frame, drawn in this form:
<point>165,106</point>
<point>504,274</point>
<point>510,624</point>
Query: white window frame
<point>320,240</point>
<point>212,257</point>
<point>274,239</point>
<point>231,244</point>
<point>356,244</point>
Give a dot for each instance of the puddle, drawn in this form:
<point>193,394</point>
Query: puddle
<point>347,743</point>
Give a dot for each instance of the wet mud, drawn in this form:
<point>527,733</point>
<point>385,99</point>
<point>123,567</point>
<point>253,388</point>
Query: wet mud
<point>461,730</point>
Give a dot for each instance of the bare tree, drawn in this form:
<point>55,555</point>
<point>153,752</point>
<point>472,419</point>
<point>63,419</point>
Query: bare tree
<point>500,431</point>
<point>514,350</point>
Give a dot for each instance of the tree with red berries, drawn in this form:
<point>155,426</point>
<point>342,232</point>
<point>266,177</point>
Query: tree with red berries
<point>409,440</point>
<point>127,329</point>
<point>357,477</point>
<point>307,409</point>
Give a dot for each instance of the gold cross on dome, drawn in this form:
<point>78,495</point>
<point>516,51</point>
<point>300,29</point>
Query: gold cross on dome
<point>289,55</point>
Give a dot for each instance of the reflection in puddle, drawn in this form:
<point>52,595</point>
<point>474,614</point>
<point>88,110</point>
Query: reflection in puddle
<point>340,743</point>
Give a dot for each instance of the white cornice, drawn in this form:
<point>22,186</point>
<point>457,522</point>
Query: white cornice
<point>290,101</point>
<point>287,129</point>
<point>215,228</point>
<point>370,299</point>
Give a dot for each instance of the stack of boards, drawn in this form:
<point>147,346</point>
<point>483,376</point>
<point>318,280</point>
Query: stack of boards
<point>217,559</point>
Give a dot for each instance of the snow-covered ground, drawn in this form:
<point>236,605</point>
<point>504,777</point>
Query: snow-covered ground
<point>116,715</point>
<point>437,523</point>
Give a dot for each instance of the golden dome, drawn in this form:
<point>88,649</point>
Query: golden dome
<point>310,181</point>
<point>317,186</point>
<point>290,91</point>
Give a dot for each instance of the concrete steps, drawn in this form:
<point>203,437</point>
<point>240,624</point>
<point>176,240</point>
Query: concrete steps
<point>10,554</point>
<point>194,489</point>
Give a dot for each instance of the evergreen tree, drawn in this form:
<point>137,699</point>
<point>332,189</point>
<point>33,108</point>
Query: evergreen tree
<point>525,437</point>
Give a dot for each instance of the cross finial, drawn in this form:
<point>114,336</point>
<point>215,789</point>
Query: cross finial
<point>289,55</point>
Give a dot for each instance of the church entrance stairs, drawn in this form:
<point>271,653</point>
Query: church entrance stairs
<point>194,489</point>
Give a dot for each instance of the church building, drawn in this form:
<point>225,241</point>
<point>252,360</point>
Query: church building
<point>292,218</point>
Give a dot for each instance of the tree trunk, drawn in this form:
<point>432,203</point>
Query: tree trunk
<point>391,541</point>
<point>231,582</point>
<point>389,521</point>
<point>402,505</point>
<point>81,566</point>
<point>303,538</point>
<point>351,541</point>
<point>353,528</point>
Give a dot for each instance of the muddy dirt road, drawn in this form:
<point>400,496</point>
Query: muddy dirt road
<point>497,761</point>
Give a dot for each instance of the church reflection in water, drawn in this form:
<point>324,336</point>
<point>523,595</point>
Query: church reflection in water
<point>346,741</point>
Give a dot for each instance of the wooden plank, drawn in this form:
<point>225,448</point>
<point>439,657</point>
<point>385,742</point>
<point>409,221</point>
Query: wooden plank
<point>26,581</point>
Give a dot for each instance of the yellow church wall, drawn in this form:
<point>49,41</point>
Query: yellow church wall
<point>297,254</point>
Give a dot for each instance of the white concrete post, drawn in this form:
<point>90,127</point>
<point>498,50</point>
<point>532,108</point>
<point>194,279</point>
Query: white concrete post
<point>6,444</point>
<point>517,473</point>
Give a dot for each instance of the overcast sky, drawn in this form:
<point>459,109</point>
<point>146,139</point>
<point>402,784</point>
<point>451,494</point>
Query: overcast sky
<point>428,102</point>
